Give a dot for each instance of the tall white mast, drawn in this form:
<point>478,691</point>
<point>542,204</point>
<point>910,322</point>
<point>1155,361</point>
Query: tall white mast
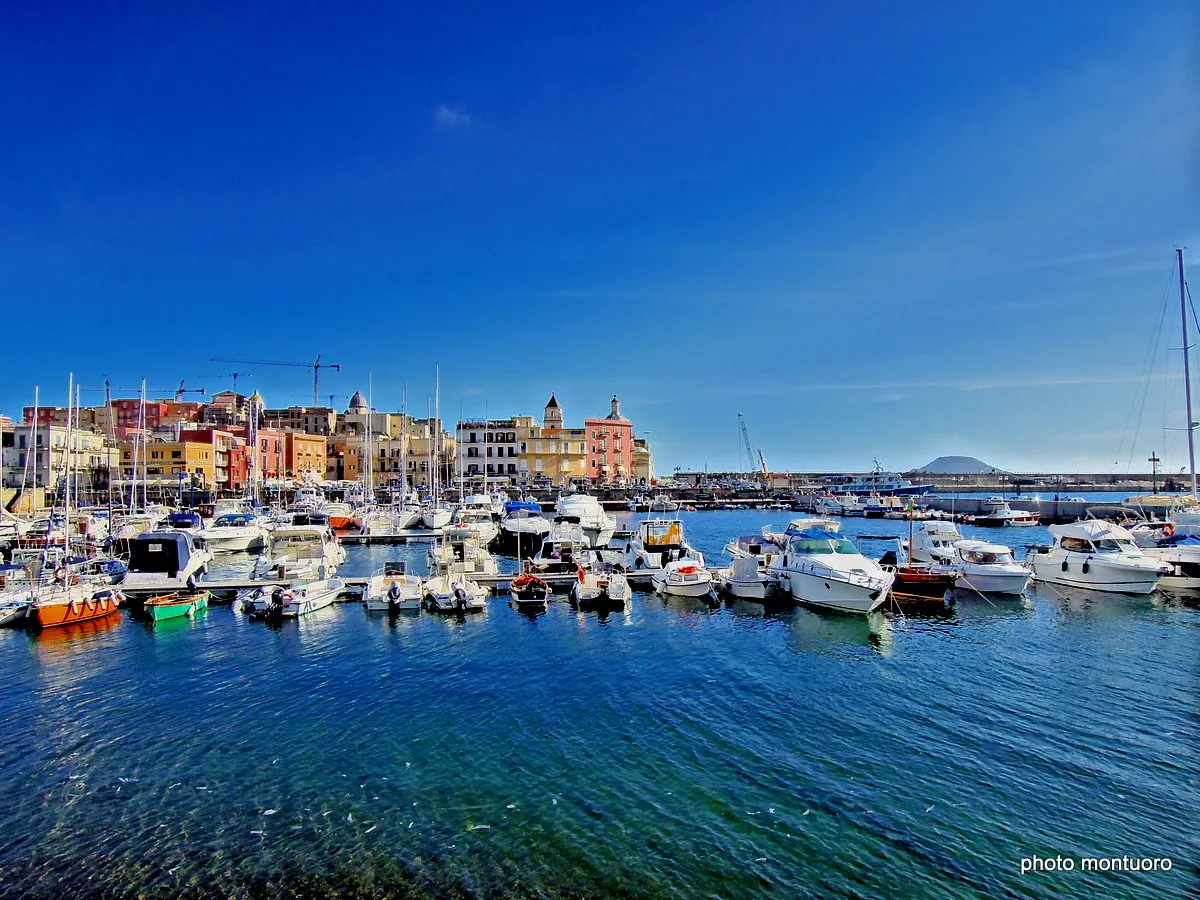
<point>437,433</point>
<point>1187,372</point>
<point>31,454</point>
<point>67,467</point>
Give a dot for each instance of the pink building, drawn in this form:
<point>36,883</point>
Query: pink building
<point>610,447</point>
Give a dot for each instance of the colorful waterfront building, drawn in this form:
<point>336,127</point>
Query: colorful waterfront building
<point>610,447</point>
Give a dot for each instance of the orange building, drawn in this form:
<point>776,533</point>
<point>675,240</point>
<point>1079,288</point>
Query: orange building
<point>610,447</point>
<point>304,453</point>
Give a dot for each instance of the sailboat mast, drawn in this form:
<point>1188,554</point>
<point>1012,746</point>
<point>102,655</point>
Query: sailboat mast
<point>1187,372</point>
<point>67,467</point>
<point>437,433</point>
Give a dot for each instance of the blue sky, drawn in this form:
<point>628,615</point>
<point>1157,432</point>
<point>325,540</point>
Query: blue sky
<point>876,232</point>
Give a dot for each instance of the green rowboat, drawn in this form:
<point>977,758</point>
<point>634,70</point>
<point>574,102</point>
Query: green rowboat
<point>176,606</point>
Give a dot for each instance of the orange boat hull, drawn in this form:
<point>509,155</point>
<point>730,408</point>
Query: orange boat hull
<point>340,522</point>
<point>81,609</point>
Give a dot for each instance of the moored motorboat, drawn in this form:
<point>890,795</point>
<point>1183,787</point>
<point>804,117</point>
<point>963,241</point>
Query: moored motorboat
<point>529,592</point>
<point>823,568</point>
<point>999,514</point>
<point>393,590</point>
<point>603,586</point>
<point>282,602</point>
<point>1096,555</point>
<point>683,578</point>
<point>745,579</point>
<point>71,603</point>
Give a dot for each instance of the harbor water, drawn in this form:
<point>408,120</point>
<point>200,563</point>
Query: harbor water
<point>673,750</point>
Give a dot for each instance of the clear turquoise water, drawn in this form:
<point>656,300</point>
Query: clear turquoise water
<point>670,751</point>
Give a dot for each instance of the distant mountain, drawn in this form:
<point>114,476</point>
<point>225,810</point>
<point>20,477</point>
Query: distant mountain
<point>958,465</point>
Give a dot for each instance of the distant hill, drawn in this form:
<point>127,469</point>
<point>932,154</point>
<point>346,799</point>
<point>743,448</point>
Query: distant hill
<point>958,465</point>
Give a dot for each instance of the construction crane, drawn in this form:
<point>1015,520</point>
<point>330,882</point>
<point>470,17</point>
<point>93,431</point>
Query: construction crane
<point>234,375</point>
<point>316,366</point>
<point>179,392</point>
<point>749,451</point>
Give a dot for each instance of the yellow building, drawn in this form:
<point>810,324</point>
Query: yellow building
<point>166,461</point>
<point>305,453</point>
<point>552,452</point>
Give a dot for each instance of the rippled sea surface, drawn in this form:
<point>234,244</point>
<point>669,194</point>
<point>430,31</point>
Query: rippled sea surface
<point>671,751</point>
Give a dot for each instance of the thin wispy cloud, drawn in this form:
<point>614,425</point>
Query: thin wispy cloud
<point>449,119</point>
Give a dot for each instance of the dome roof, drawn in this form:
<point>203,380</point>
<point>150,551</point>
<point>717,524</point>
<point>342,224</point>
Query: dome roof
<point>358,402</point>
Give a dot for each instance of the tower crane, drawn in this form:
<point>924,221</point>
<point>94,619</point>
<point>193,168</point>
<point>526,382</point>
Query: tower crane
<point>316,366</point>
<point>234,375</point>
<point>179,392</point>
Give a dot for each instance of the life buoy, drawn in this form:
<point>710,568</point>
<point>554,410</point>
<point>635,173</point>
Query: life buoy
<point>1168,530</point>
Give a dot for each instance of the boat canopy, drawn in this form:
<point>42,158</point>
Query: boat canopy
<point>159,552</point>
<point>518,505</point>
<point>1091,530</point>
<point>184,520</point>
<point>234,520</point>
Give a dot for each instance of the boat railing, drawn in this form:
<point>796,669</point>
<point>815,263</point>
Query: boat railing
<point>857,579</point>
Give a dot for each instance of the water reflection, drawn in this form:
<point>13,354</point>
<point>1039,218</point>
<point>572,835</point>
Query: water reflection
<point>834,633</point>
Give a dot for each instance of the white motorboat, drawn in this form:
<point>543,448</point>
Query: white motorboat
<point>745,579</point>
<point>308,498</point>
<point>986,568</point>
<point>1096,555</point>
<point>165,561</point>
<point>879,506</point>
<point>823,568</point>
<point>585,511</point>
<point>522,529</point>
<point>999,514</point>
<point>662,503</point>
<point>603,586</point>
<point>529,593</point>
<point>459,554</point>
<point>759,547</point>
<point>392,589</point>
<point>282,602</point>
<point>683,578</point>
<point>478,522</point>
<point>656,543</point>
<point>237,531</point>
<point>454,594</point>
<point>1182,553</point>
<point>933,543</point>
<point>309,552</point>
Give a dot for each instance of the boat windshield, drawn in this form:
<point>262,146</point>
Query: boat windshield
<point>231,521</point>
<point>986,557</point>
<point>1114,545</point>
<point>815,546</point>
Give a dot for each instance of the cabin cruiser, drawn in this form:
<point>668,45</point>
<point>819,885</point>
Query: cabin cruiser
<point>933,543</point>
<point>522,529</point>
<point>161,561</point>
<point>986,568</point>
<point>746,579</point>
<point>392,589</point>
<point>191,522</point>
<point>478,522</point>
<point>458,553</point>
<point>299,551</point>
<point>825,569</point>
<point>564,550</point>
<point>603,586</point>
<point>658,542</point>
<point>759,547</point>
<point>236,531</point>
<point>1096,555</point>
<point>307,498</point>
<point>585,511</point>
<point>1000,514</point>
<point>1181,551</point>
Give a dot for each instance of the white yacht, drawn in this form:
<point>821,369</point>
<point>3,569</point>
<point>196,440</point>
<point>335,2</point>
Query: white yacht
<point>300,551</point>
<point>662,503</point>
<point>522,529</point>
<point>986,568</point>
<point>1096,555</point>
<point>683,578</point>
<point>308,498</point>
<point>236,531</point>
<point>933,543</point>
<point>459,554</point>
<point>478,522</point>
<point>162,561</point>
<point>1181,551</point>
<point>823,568</point>
<point>585,511</point>
<point>393,589</point>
